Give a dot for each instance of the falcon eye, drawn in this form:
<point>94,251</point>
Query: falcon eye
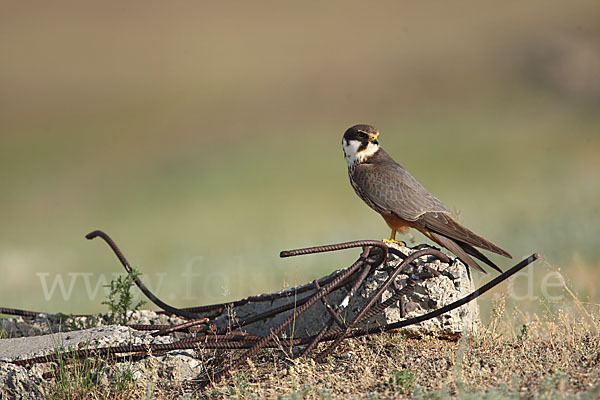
<point>362,135</point>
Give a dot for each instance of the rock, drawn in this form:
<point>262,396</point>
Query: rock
<point>44,324</point>
<point>18,383</point>
<point>427,295</point>
<point>28,347</point>
<point>175,366</point>
<point>21,382</point>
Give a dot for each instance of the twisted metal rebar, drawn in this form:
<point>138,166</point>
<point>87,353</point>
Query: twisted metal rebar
<point>242,341</point>
<point>335,247</point>
<point>299,311</point>
<point>368,262</point>
<point>19,312</point>
<point>138,282</point>
<point>218,308</point>
<point>179,327</point>
<point>375,297</point>
<point>345,302</point>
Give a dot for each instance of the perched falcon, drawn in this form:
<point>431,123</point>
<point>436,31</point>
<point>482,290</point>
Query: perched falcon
<point>390,190</point>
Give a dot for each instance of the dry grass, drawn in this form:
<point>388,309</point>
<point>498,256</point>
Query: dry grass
<point>543,357</point>
<point>516,356</point>
<point>551,354</point>
<point>72,378</point>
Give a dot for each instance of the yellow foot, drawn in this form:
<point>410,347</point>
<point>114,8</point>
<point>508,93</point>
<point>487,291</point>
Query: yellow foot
<point>399,242</point>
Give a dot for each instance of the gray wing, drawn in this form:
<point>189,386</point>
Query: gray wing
<point>392,189</point>
<point>444,225</point>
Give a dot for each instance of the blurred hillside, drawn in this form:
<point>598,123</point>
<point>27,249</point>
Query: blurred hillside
<point>206,137</point>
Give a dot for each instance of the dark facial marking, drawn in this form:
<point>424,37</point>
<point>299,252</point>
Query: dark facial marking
<point>360,133</point>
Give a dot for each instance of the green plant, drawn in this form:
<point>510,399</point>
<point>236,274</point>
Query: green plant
<point>120,299</point>
<point>523,334</point>
<point>75,377</point>
<point>402,381</point>
<point>240,385</point>
<point>4,334</point>
<point>149,395</point>
<point>122,378</point>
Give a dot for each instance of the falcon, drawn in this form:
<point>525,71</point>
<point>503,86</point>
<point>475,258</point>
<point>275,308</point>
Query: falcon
<point>403,202</point>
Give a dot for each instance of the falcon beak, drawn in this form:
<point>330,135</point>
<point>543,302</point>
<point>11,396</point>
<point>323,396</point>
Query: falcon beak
<point>373,139</point>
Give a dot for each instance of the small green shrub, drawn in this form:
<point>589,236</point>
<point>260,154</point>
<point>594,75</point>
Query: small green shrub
<point>401,381</point>
<point>120,299</point>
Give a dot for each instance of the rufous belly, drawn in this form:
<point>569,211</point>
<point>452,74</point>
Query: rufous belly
<point>401,225</point>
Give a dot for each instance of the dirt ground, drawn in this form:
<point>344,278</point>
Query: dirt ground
<point>515,356</point>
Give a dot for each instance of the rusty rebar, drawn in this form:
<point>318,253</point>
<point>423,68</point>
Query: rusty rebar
<point>148,327</point>
<point>29,313</point>
<point>357,332</point>
<point>365,271</point>
<point>238,340</point>
<point>250,341</point>
<point>458,303</point>
<point>158,327</point>
<point>329,308</point>
<point>375,297</point>
<point>345,302</point>
<point>290,253</point>
<point>252,351</point>
<point>138,282</point>
<point>218,308</point>
<point>266,314</point>
<point>324,281</point>
<point>335,247</point>
<point>19,312</point>
<point>179,327</point>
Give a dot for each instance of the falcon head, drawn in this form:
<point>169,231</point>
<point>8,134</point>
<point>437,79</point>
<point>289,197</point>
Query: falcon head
<point>359,143</point>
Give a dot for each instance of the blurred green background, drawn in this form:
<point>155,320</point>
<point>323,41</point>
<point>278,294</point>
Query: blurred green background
<point>205,137</point>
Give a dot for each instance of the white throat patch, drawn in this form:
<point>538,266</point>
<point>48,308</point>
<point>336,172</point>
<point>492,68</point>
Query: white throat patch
<point>353,155</point>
